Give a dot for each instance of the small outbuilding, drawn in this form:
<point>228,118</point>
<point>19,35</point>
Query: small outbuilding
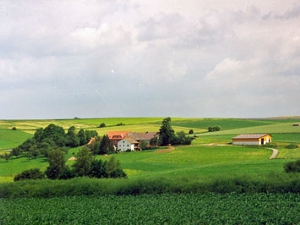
<point>252,139</point>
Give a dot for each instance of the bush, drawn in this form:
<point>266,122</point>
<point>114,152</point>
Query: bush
<point>270,145</point>
<point>102,125</point>
<point>191,131</point>
<point>33,174</point>
<point>292,166</point>
<point>215,128</point>
<point>291,146</point>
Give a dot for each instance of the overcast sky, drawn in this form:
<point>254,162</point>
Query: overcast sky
<point>140,58</point>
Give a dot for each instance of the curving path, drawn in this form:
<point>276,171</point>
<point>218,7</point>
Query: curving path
<point>274,154</point>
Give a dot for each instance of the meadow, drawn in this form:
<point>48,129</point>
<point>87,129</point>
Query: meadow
<point>202,179</point>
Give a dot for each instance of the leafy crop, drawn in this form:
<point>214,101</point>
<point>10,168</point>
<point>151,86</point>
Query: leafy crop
<point>155,209</point>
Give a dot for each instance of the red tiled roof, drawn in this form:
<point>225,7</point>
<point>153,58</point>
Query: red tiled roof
<point>117,134</point>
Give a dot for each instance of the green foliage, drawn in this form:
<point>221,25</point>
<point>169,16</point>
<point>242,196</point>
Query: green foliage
<point>83,163</point>
<point>292,166</point>
<point>215,128</point>
<point>30,174</point>
<point>56,164</point>
<point>143,145</point>
<point>14,128</point>
<point>106,146</point>
<point>182,138</point>
<point>191,131</point>
<point>166,133</point>
<point>102,125</point>
<point>106,169</point>
<point>72,139</point>
<point>82,137</point>
<point>66,173</point>
<point>291,146</point>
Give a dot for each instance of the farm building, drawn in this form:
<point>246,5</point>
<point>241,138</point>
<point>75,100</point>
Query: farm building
<point>252,139</point>
<point>147,136</point>
<point>128,144</point>
<point>116,136</point>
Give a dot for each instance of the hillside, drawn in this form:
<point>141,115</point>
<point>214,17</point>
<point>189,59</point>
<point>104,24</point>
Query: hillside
<point>209,156</point>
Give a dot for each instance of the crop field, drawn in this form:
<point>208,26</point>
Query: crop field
<point>155,209</point>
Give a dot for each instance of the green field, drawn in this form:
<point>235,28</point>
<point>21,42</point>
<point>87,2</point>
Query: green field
<point>208,157</point>
<point>210,163</point>
<point>155,209</point>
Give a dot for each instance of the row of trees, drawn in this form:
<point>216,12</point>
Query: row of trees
<point>85,165</point>
<point>52,137</point>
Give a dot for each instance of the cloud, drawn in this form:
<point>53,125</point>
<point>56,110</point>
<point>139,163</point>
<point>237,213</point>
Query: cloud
<point>139,58</point>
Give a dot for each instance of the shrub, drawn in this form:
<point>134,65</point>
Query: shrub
<point>292,166</point>
<point>33,174</point>
<point>191,131</point>
<point>270,145</point>
<point>215,128</point>
<point>102,125</point>
<point>291,146</point>
<point>14,128</point>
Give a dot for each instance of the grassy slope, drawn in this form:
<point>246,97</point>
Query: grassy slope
<point>195,161</point>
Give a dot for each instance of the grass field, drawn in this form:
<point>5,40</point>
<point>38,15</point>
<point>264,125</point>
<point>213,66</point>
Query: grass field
<point>202,160</point>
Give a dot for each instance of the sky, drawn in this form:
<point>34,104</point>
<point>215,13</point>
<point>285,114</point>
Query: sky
<point>138,58</point>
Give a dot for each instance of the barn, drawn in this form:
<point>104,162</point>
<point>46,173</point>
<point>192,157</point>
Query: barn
<point>252,139</point>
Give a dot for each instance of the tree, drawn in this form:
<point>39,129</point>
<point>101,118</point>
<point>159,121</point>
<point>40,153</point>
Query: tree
<point>166,133</point>
<point>143,145</point>
<point>102,125</point>
<point>154,142</point>
<point>106,146</point>
<point>83,163</point>
<point>66,173</point>
<point>81,136</point>
<point>191,131</point>
<point>56,164</point>
<point>72,139</point>
<point>16,152</point>
<point>113,169</point>
<point>56,133</point>
<point>97,169</point>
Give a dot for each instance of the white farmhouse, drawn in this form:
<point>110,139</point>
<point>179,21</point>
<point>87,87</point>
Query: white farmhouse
<point>127,144</point>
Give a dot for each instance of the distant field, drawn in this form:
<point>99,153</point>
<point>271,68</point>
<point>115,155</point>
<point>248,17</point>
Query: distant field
<point>10,138</point>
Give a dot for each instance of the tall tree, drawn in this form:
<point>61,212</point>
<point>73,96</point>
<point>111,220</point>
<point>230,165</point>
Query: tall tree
<point>82,137</point>
<point>166,133</point>
<point>56,164</point>
<point>72,138</point>
<point>83,163</point>
<point>106,146</point>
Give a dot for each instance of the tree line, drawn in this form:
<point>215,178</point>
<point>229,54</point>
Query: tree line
<point>85,165</point>
<point>52,137</point>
